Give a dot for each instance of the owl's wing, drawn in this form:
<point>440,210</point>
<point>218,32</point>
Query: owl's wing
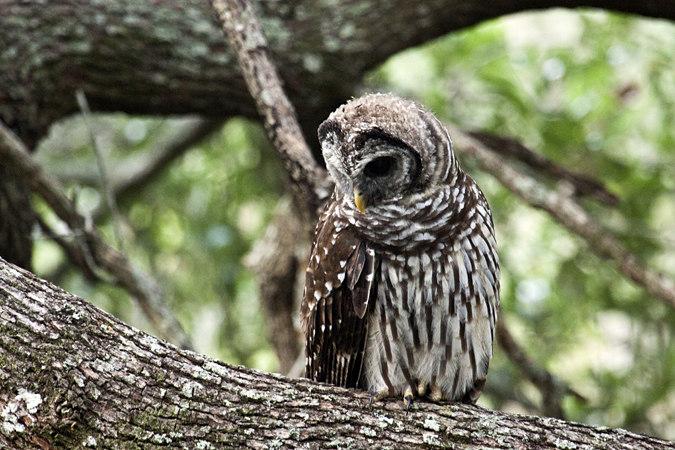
<point>338,286</point>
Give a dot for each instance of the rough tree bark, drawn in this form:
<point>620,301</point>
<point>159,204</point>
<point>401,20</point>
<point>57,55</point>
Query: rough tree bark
<point>73,376</point>
<point>170,57</point>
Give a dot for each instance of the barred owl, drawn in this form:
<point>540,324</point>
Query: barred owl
<point>402,289</point>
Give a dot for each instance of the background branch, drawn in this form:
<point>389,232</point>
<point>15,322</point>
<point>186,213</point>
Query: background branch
<point>131,175</point>
<point>565,210</point>
<point>134,176</point>
<point>141,286</point>
<point>77,254</point>
<point>552,389</point>
<point>583,185</point>
<point>310,183</point>
<point>103,180</point>
<point>276,264</point>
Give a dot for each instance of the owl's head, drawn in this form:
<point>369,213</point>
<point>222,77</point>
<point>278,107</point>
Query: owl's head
<point>381,149</point>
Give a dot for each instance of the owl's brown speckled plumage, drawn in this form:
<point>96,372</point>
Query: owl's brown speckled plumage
<point>402,289</point>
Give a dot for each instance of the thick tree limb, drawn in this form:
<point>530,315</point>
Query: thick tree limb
<point>72,376</point>
<point>141,286</point>
<point>168,57</point>
<point>568,212</point>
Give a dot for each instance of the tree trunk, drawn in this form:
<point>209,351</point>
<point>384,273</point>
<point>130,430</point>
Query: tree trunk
<point>16,219</point>
<point>73,376</point>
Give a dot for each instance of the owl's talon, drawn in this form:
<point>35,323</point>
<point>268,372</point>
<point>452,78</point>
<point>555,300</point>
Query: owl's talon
<point>407,399</point>
<point>421,389</point>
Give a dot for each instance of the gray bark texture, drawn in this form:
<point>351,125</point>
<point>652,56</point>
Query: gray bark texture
<point>72,376</point>
<point>171,57</point>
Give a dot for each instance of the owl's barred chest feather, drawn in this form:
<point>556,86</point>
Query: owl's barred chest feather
<point>432,322</point>
<point>433,303</point>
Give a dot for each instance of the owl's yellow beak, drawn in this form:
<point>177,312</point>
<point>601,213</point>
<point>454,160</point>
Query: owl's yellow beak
<point>360,200</point>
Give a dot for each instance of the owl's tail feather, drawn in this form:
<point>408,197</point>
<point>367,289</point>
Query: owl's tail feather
<point>471,397</point>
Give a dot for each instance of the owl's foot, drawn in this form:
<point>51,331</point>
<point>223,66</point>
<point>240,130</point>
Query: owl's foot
<point>437,393</point>
<point>471,397</point>
<point>376,396</point>
<point>408,395</point>
<point>422,388</point>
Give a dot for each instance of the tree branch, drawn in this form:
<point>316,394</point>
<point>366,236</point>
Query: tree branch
<point>566,211</point>
<point>323,48</point>
<point>170,146</point>
<point>76,253</point>
<point>582,184</point>
<point>73,376</point>
<point>276,266</point>
<point>103,179</point>
<point>275,263</point>
<point>131,175</point>
<point>310,183</point>
<point>141,286</point>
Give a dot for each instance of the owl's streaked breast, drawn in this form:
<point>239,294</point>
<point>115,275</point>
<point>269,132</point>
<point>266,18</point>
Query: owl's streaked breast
<point>433,320</point>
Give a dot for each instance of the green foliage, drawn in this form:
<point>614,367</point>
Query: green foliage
<point>591,91</point>
<point>190,228</point>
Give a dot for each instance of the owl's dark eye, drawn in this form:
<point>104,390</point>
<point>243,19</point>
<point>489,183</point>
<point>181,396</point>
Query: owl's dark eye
<point>380,167</point>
